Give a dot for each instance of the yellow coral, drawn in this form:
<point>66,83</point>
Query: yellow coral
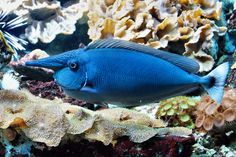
<point>156,23</point>
<point>177,111</point>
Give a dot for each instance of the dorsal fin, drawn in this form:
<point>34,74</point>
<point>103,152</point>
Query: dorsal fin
<point>184,63</point>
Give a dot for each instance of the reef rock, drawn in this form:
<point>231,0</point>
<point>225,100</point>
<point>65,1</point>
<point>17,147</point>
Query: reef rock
<point>48,121</point>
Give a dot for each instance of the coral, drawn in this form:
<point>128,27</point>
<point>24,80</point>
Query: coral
<point>48,121</point>
<point>231,80</point>
<point>33,55</point>
<point>33,72</point>
<point>10,5</point>
<point>177,111</point>
<point>172,146</point>
<point>233,66</point>
<point>9,81</point>
<point>157,23</point>
<point>10,134</point>
<point>232,20</point>
<point>200,41</point>
<point>149,109</point>
<point>209,114</point>
<point>19,146</point>
<point>48,18</point>
<point>6,51</point>
<point>213,145</point>
<point>228,39</point>
<point>49,90</point>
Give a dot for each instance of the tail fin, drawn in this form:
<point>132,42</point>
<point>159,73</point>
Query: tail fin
<point>217,78</point>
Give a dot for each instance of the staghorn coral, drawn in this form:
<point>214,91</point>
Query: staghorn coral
<point>48,18</point>
<point>209,114</point>
<point>177,111</point>
<point>157,23</point>
<point>47,121</point>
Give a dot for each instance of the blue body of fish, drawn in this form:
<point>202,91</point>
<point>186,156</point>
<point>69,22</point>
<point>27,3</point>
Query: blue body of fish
<point>128,74</point>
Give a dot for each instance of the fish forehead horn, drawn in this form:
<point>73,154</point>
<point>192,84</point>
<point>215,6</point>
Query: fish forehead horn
<point>57,61</point>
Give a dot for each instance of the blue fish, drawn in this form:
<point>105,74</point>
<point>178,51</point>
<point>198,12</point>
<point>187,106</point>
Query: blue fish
<point>129,74</point>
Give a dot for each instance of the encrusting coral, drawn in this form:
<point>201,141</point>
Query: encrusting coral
<point>210,114</point>
<point>48,121</point>
<point>177,111</point>
<point>157,23</point>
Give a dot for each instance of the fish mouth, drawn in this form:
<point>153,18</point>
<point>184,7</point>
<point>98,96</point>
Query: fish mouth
<point>53,62</point>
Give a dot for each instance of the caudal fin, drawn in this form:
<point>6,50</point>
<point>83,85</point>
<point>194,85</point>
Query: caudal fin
<point>217,78</point>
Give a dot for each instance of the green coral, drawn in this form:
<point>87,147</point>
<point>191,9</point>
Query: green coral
<point>178,111</point>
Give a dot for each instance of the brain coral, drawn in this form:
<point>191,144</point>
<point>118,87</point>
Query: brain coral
<point>157,23</point>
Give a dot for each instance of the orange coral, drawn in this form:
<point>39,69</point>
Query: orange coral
<point>209,114</point>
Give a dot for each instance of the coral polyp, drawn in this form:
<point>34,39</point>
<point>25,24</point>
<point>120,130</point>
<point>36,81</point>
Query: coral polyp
<point>8,23</point>
<point>209,115</point>
<point>177,111</point>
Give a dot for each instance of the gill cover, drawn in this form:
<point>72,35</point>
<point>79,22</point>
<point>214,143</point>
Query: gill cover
<point>69,79</point>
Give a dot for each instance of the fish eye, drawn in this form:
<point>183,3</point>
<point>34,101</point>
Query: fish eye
<point>73,66</point>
